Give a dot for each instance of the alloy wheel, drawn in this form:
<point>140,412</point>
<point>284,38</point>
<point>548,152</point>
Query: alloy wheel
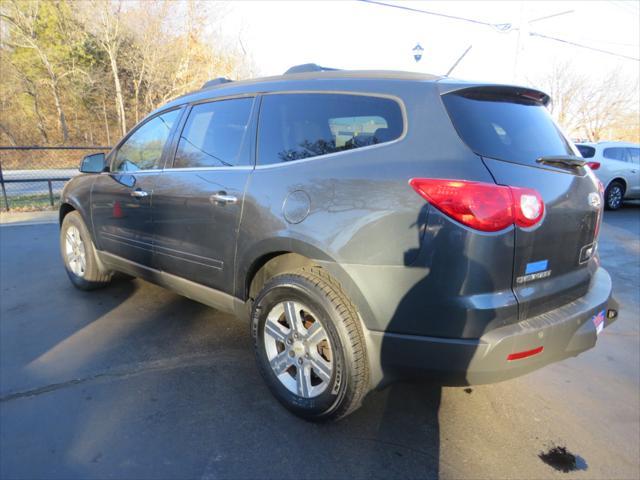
<point>75,255</point>
<point>298,349</point>
<point>614,199</point>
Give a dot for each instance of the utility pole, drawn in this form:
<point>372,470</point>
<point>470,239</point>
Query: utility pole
<point>523,35</point>
<point>518,44</point>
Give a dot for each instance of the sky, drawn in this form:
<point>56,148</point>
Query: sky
<point>359,35</point>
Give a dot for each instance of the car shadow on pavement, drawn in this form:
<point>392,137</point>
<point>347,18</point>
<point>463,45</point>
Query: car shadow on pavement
<point>175,393</point>
<point>148,384</point>
<point>170,390</point>
<point>41,310</point>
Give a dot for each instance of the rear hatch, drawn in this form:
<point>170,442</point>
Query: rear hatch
<point>511,130</point>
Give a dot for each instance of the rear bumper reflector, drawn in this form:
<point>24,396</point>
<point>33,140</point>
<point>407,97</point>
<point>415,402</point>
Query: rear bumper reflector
<point>525,354</point>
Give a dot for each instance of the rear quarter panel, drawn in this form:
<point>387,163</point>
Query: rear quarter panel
<point>611,169</point>
<point>366,220</point>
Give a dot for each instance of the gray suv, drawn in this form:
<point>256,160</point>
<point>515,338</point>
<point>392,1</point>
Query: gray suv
<point>369,225</point>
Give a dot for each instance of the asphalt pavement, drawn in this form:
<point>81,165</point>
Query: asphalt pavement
<point>136,382</point>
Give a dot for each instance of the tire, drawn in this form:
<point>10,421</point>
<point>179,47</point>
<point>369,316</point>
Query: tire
<point>86,275</point>
<point>613,196</point>
<point>336,370</point>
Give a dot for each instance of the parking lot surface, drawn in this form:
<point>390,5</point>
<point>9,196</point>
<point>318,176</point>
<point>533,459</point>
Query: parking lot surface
<point>133,381</point>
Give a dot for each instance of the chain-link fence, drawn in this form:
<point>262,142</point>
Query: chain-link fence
<point>32,178</point>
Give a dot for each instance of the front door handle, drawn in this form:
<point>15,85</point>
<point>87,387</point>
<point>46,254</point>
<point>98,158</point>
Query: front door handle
<point>221,198</point>
<point>139,194</point>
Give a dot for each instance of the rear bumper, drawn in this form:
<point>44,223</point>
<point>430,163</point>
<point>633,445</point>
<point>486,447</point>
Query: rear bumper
<point>563,332</point>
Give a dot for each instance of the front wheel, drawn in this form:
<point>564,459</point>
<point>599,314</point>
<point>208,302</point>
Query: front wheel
<point>613,196</point>
<point>79,254</point>
<point>309,345</point>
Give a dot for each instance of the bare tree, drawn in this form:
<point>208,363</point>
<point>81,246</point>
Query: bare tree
<point>146,26</point>
<point>31,90</point>
<point>103,63</point>
<point>24,22</point>
<point>9,135</point>
<point>588,107</point>
<point>605,103</point>
<point>106,16</point>
<point>564,86</point>
<point>164,65</point>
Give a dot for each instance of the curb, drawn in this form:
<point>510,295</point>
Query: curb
<point>12,219</point>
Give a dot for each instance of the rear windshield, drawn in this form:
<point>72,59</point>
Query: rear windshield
<point>586,151</point>
<point>508,128</point>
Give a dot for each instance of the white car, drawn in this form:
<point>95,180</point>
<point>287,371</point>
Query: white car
<point>617,165</point>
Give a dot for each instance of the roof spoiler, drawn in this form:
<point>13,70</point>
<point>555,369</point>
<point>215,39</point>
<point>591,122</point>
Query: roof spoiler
<point>214,82</point>
<point>308,67</point>
<point>503,91</point>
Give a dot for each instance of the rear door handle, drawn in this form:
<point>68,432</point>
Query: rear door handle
<point>139,194</point>
<point>221,198</point>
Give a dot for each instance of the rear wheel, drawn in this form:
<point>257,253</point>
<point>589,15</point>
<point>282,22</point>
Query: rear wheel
<point>309,345</point>
<point>614,195</point>
<point>79,254</point>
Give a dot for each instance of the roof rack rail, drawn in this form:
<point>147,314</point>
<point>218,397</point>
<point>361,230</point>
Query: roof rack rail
<point>308,67</point>
<point>215,81</point>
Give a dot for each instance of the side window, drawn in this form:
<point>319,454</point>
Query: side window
<point>586,151</point>
<point>213,134</point>
<point>302,125</point>
<point>633,155</point>
<point>614,153</point>
<point>143,149</point>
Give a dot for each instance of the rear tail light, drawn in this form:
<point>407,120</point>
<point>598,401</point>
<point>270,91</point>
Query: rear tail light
<point>594,165</point>
<point>482,206</point>
<point>528,206</point>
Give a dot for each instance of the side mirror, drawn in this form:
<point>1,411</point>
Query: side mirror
<point>94,163</point>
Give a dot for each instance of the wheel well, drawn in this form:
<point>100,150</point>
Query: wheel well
<point>269,266</point>
<point>65,209</point>
<point>619,180</point>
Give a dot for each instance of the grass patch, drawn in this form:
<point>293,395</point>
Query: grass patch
<point>30,203</point>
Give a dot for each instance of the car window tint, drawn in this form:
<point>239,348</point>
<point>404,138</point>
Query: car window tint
<point>213,134</point>
<point>614,153</point>
<point>633,155</point>
<point>143,149</point>
<point>506,127</point>
<point>586,151</point>
<point>297,126</point>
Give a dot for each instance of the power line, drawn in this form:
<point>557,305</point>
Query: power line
<point>579,45</point>
<point>502,27</point>
<point>626,6</point>
<point>546,17</point>
<point>622,44</point>
<point>427,12</point>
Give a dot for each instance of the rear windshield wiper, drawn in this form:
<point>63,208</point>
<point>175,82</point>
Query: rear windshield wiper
<point>563,160</point>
